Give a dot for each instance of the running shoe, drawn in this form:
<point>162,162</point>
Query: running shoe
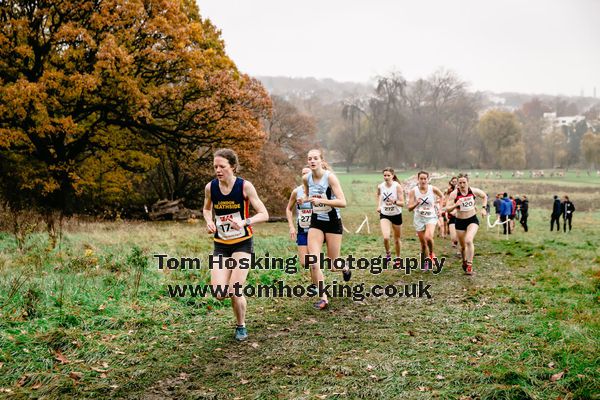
<point>388,258</point>
<point>469,269</point>
<point>426,264</point>
<point>347,274</point>
<point>241,333</point>
<point>464,265</point>
<point>321,304</point>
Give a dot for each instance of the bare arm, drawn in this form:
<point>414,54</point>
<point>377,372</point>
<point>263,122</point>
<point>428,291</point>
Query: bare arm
<point>412,200</point>
<point>262,215</point>
<point>305,187</point>
<point>207,210</point>
<point>378,197</point>
<point>481,193</point>
<point>400,195</point>
<point>438,193</point>
<point>289,211</point>
<point>451,203</point>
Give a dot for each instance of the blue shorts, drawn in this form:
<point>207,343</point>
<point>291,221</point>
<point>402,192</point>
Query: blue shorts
<point>302,239</point>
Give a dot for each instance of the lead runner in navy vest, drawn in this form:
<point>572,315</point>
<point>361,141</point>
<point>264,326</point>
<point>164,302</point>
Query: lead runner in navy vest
<point>228,197</point>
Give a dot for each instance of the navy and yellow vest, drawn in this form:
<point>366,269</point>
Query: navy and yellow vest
<point>228,207</point>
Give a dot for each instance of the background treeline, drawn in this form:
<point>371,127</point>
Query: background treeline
<point>438,122</point>
<point>107,106</point>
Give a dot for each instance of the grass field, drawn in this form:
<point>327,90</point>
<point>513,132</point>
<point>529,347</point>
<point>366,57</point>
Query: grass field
<point>92,318</point>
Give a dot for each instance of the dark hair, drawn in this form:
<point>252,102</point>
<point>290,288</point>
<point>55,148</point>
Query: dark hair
<point>555,197</point>
<point>505,194</point>
<point>391,170</point>
<point>422,172</point>
<point>567,197</point>
<point>230,156</point>
<point>466,176</point>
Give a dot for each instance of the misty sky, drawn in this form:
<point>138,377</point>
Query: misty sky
<point>532,46</point>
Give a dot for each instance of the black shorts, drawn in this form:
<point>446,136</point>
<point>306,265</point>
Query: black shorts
<point>226,250</point>
<point>395,219</point>
<point>451,219</point>
<point>334,226</point>
<point>462,224</point>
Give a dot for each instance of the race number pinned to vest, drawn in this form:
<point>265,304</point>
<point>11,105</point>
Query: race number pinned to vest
<point>467,203</point>
<point>426,208</point>
<point>224,229</point>
<point>304,217</point>
<point>320,208</point>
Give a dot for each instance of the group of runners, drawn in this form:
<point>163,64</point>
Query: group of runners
<point>317,203</point>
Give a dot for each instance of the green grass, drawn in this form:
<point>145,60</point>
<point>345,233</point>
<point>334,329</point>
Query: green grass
<point>93,319</point>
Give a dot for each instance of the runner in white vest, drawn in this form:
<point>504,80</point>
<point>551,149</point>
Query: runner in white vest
<point>422,200</point>
<point>390,199</point>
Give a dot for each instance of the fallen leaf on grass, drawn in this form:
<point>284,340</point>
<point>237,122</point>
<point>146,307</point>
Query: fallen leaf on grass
<point>101,307</point>
<point>58,356</point>
<point>423,388</point>
<point>37,386</point>
<point>23,380</point>
<point>254,345</point>
<point>321,396</point>
<point>75,375</point>
<point>99,370</point>
<point>440,377</point>
<point>557,376</point>
<point>551,365</point>
<point>369,367</point>
<point>244,381</point>
<point>404,373</point>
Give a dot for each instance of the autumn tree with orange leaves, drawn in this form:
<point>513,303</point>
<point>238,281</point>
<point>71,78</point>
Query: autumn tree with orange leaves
<point>94,95</point>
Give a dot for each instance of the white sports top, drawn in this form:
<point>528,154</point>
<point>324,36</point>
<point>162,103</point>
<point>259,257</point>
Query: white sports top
<point>426,203</point>
<point>389,194</point>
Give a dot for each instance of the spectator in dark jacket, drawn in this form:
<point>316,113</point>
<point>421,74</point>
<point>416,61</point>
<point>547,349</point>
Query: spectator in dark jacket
<point>567,209</point>
<point>524,212</point>
<point>518,214</point>
<point>505,211</point>
<point>497,204</point>
<point>556,212</point>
